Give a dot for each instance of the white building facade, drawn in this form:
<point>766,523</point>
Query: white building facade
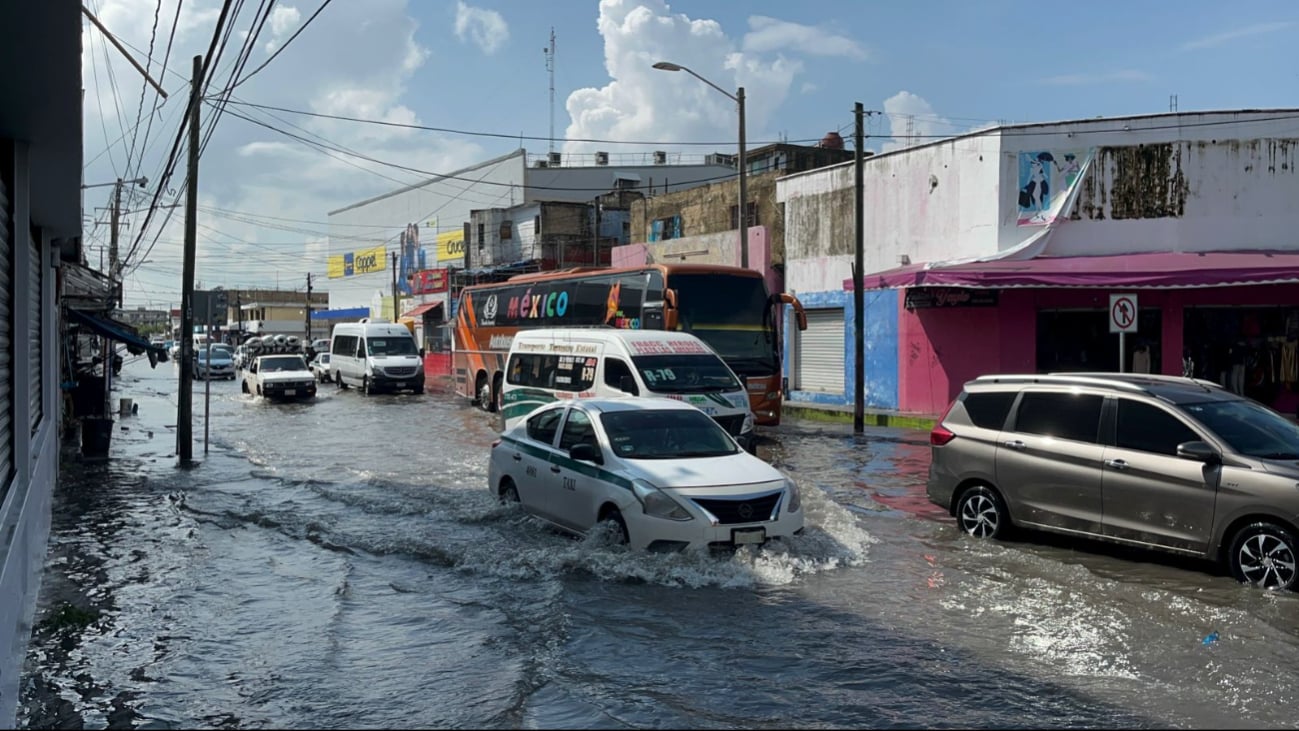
<point>1000,250</point>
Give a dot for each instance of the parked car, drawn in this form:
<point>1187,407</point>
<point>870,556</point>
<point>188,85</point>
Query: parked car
<point>241,356</point>
<point>279,377</point>
<point>661,473</point>
<point>320,366</point>
<point>214,362</point>
<point>1160,462</point>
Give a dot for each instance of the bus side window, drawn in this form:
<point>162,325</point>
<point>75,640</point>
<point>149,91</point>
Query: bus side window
<point>615,371</point>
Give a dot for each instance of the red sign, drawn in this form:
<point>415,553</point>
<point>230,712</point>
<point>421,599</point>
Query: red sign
<point>428,281</point>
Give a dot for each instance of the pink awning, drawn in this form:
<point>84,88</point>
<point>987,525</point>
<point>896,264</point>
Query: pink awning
<point>1169,270</point>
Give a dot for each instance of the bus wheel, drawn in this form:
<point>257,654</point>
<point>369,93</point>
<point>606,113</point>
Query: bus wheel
<point>498,392</point>
<point>483,388</point>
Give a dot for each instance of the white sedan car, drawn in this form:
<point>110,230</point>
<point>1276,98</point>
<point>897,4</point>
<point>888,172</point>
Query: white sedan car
<point>662,472</point>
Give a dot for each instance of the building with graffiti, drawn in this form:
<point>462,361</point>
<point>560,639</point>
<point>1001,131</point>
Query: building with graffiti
<point>1003,249</point>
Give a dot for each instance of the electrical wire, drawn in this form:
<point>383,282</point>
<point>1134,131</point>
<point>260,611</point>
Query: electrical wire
<point>283,46</point>
<point>144,90</point>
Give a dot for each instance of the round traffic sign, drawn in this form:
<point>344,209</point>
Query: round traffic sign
<point>1123,313</point>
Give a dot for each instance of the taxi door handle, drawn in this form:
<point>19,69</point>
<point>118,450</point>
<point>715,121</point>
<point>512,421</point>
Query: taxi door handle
<point>1117,464</point>
<point>517,458</point>
<point>554,468</point>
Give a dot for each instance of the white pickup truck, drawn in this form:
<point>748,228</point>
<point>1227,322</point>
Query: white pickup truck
<point>279,377</point>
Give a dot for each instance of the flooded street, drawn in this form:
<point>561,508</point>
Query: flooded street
<point>340,564</point>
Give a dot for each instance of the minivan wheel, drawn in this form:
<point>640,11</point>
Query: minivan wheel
<point>1263,554</point>
<point>981,513</point>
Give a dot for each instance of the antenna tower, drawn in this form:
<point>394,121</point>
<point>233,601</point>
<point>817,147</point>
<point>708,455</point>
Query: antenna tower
<point>550,68</point>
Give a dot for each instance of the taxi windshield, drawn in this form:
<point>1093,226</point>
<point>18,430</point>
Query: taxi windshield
<point>665,434</point>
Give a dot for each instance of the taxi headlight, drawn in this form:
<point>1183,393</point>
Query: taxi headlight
<point>795,499</point>
<point>657,503</point>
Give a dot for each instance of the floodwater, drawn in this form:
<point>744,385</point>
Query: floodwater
<point>340,564</point>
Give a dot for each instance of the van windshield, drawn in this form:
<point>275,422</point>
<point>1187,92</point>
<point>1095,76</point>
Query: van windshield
<point>685,373</point>
<point>390,346</point>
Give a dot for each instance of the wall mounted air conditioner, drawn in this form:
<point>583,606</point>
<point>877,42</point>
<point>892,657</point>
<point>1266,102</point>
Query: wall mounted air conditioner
<point>555,159</point>
<point>660,157</point>
<point>718,158</point>
<point>601,158</point>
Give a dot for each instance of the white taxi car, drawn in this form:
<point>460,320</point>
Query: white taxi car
<point>662,472</point>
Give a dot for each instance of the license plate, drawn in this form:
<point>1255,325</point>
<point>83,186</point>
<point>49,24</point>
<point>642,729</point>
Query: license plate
<point>401,384</point>
<point>290,392</point>
<point>741,536</point>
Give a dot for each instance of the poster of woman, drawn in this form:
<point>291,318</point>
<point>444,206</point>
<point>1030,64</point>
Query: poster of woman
<point>1046,179</point>
<point>412,259</point>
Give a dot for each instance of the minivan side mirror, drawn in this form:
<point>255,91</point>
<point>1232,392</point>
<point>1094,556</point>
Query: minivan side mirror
<point>1199,452</point>
<point>627,384</point>
<point>586,453</point>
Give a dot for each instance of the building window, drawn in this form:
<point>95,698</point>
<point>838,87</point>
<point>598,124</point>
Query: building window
<point>507,230</point>
<point>482,235</point>
<point>536,225</point>
<point>624,184</point>
<point>667,228</point>
<point>752,215</point>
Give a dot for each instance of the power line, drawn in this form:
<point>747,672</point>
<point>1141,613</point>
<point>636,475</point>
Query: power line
<point>144,90</point>
<point>502,135</point>
<point>283,46</point>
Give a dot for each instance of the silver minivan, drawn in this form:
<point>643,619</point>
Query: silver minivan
<point>1161,462</point>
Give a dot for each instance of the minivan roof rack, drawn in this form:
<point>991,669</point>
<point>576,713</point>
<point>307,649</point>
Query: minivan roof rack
<point>1137,382</point>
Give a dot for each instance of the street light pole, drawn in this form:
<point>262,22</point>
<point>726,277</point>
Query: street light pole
<point>742,213</point>
<point>741,220</point>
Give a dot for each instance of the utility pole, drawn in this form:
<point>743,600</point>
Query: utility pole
<point>306,339</point>
<point>112,240</point>
<point>741,213</point>
<point>858,296</point>
<point>395,314</point>
<point>185,407</point>
<point>239,317</point>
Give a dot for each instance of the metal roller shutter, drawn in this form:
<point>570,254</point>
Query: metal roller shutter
<point>6,341</point>
<point>821,352</point>
<point>35,378</point>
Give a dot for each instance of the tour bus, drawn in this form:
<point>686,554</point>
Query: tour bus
<point>728,308</point>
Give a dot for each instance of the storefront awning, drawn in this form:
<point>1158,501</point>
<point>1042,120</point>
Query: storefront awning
<point>420,310</point>
<point>1168,270</point>
<point>119,331</point>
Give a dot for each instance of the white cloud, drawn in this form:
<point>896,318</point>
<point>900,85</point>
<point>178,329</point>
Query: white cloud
<point>912,121</point>
<point>1219,39</point>
<point>486,28</point>
<point>355,59</point>
<point>641,103</point>
<point>808,87</point>
<point>770,34</point>
<point>283,19</point>
<point>1111,77</point>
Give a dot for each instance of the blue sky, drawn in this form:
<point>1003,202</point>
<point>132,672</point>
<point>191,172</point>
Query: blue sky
<point>940,68</point>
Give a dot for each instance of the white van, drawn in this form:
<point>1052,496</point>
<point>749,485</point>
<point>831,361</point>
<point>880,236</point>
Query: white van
<point>550,364</point>
<point>376,356</point>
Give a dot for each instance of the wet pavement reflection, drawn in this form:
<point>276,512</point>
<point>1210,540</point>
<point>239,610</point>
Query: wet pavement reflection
<point>341,564</point>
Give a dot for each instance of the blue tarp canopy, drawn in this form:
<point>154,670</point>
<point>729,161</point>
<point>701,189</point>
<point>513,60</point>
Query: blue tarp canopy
<point>119,331</point>
<point>353,313</point>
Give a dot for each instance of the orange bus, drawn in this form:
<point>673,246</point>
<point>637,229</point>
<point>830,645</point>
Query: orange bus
<point>727,307</point>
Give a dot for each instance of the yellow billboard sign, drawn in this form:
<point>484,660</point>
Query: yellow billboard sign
<point>364,261</point>
<point>451,246</point>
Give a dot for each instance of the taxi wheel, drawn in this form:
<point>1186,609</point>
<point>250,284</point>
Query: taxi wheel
<point>620,526</point>
<point>509,493</point>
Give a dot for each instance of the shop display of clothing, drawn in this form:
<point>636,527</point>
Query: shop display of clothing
<point>1289,369</point>
<point>1141,360</point>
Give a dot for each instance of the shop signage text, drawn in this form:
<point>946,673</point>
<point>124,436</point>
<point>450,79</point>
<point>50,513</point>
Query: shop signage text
<point>923,298</point>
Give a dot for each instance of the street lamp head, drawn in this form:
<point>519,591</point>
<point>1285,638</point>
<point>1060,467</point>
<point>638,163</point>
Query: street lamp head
<point>667,66</point>
<point>142,181</point>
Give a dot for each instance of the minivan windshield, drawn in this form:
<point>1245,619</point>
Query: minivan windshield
<point>685,373</point>
<point>390,346</point>
<point>665,434</point>
<point>1248,428</point>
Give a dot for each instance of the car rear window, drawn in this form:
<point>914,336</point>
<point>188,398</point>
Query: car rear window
<point>1075,416</point>
<point>988,409</point>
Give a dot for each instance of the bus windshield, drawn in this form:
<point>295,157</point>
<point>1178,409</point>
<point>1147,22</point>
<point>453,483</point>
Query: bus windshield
<point>685,373</point>
<point>732,315</point>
